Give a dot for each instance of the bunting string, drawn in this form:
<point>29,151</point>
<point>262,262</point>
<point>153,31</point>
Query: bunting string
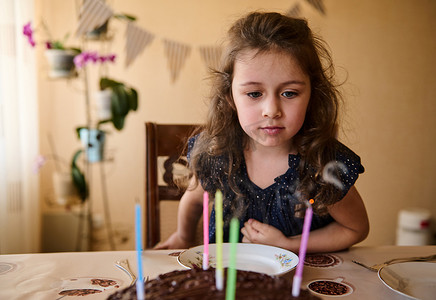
<point>94,13</point>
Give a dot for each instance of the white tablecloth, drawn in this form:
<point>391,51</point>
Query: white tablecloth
<point>43,276</point>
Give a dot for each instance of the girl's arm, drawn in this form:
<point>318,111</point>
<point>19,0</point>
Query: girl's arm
<point>189,213</point>
<point>351,226</point>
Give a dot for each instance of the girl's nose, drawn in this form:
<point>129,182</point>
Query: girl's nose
<point>272,108</point>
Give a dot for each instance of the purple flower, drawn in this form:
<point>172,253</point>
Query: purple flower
<point>28,32</point>
<point>27,29</point>
<point>31,41</point>
<point>93,56</point>
<point>111,57</point>
<point>83,58</point>
<point>39,163</point>
<point>79,61</point>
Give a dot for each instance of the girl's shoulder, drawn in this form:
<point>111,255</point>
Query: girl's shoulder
<point>348,157</point>
<point>191,143</point>
<point>347,163</point>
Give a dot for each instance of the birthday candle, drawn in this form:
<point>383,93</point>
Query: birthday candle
<point>231,271</point>
<point>140,291</point>
<point>296,284</point>
<point>219,240</point>
<point>205,231</point>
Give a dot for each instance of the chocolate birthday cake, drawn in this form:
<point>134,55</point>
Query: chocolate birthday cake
<point>199,284</point>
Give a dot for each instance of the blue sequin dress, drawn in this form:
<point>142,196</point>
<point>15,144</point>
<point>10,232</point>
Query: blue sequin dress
<point>274,205</point>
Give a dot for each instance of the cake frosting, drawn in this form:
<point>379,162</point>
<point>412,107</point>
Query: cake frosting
<point>196,284</point>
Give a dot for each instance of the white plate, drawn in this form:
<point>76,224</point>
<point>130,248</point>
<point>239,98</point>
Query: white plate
<point>249,257</point>
<point>415,280</point>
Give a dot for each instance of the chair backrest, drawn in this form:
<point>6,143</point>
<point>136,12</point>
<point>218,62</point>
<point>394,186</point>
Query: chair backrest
<point>168,141</point>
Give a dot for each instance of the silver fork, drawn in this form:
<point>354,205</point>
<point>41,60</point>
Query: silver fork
<point>124,266</point>
<point>377,267</point>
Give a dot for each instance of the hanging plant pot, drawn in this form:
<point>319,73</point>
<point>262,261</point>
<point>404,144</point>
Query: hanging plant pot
<point>61,62</point>
<point>93,142</point>
<point>103,100</point>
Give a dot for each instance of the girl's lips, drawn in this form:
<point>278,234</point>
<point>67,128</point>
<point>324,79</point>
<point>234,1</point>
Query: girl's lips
<point>272,130</point>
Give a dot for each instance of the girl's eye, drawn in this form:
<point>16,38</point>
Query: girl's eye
<point>254,94</point>
<point>289,94</point>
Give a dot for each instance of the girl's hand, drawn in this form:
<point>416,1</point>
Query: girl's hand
<point>174,242</point>
<point>260,233</point>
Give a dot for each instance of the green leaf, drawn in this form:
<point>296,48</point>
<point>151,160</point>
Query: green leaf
<point>78,131</point>
<point>121,100</point>
<point>115,105</point>
<point>125,16</point>
<point>118,122</point>
<point>78,177</point>
<point>78,50</point>
<point>57,45</point>
<point>106,83</point>
<point>102,122</point>
<point>133,99</point>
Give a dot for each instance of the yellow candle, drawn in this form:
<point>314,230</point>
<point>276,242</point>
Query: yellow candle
<point>219,240</point>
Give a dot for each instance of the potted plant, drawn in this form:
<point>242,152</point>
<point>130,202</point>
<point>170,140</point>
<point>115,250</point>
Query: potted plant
<point>59,57</point>
<point>93,140</point>
<point>61,62</point>
<point>114,100</point>
<point>123,99</point>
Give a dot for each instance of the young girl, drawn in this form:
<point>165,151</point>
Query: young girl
<point>269,138</point>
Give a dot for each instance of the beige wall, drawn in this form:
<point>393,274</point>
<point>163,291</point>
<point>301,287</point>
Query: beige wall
<point>384,49</point>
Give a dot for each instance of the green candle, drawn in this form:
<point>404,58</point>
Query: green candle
<point>231,271</point>
<point>219,240</point>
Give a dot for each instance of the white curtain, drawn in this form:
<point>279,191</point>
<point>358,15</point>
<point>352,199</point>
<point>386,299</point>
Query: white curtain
<point>19,201</point>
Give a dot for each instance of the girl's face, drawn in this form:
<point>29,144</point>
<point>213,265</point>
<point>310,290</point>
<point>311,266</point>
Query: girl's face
<point>271,94</point>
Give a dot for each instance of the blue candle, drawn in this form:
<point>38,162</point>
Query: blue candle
<point>140,291</point>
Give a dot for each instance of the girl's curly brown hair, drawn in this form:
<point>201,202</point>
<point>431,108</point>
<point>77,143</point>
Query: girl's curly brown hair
<point>222,134</point>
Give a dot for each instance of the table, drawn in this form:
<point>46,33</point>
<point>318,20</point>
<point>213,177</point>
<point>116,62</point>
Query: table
<point>42,275</point>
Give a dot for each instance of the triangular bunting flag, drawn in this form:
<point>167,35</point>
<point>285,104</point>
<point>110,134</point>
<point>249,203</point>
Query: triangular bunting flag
<point>136,41</point>
<point>294,12</point>
<point>93,14</point>
<point>211,56</point>
<point>318,4</point>
<point>176,54</point>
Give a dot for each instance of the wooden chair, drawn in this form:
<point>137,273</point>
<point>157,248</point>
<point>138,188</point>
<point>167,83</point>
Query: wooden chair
<point>168,141</point>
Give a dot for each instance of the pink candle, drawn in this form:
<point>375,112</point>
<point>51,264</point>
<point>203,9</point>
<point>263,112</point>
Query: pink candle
<point>296,284</point>
<point>205,231</point>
